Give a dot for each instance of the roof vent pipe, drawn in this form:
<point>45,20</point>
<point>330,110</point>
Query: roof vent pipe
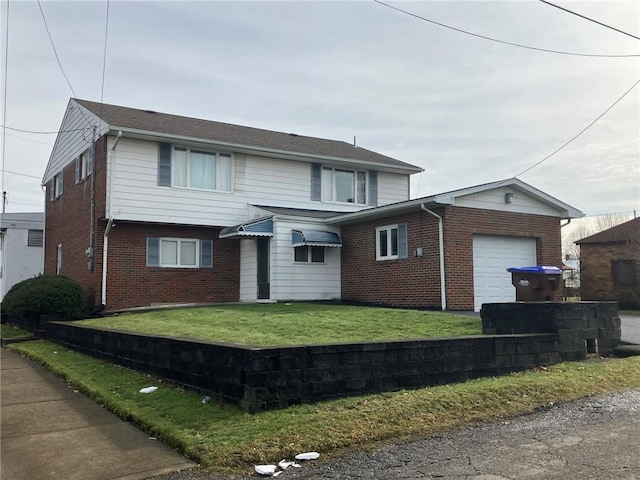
<point>443,289</point>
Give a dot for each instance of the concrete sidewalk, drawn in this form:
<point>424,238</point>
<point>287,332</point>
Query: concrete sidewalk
<point>50,431</point>
<point>630,325</point>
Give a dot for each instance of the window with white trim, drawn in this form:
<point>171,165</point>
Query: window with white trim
<point>306,254</point>
<point>202,170</point>
<point>391,242</point>
<point>179,253</point>
<point>57,185</point>
<point>344,186</point>
<point>84,166</point>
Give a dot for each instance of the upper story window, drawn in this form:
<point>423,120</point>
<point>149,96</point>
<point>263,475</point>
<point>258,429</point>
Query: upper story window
<point>345,186</point>
<point>57,185</point>
<point>391,242</point>
<point>190,168</point>
<point>84,166</point>
<point>329,184</point>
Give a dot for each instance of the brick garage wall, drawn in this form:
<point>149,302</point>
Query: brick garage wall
<point>461,224</point>
<point>131,283</point>
<point>68,222</point>
<point>596,276</point>
<point>415,281</point>
<point>412,281</point>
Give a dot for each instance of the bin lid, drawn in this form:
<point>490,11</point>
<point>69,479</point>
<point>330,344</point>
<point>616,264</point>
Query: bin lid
<point>542,270</point>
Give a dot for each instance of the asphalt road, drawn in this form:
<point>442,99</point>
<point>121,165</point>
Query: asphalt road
<point>597,439</point>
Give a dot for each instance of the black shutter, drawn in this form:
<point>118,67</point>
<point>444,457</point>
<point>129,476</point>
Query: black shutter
<point>153,252</point>
<point>206,253</point>
<point>164,164</point>
<point>316,182</point>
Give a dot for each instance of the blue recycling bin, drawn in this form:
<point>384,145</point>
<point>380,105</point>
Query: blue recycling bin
<point>535,284</point>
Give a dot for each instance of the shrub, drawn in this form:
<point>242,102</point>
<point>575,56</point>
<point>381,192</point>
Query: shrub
<point>41,295</point>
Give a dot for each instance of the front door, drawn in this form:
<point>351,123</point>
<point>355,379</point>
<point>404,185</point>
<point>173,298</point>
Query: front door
<point>263,269</point>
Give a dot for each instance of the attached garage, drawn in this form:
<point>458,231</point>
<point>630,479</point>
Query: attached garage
<point>492,255</point>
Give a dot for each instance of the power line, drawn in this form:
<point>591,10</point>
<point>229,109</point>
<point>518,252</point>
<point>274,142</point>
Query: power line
<point>4,100</point>
<point>581,131</point>
<point>54,48</point>
<point>21,174</point>
<point>44,133</point>
<point>104,57</point>
<point>590,19</point>
<point>559,52</point>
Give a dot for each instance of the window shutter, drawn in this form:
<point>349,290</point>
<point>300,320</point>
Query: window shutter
<point>153,252</point>
<point>373,188</point>
<point>91,159</point>
<point>316,182</point>
<point>52,189</point>
<point>206,253</point>
<point>78,165</point>
<point>164,164</point>
<point>402,240</point>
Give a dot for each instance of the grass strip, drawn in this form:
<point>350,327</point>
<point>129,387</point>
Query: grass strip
<point>223,438</point>
<point>292,324</point>
<point>9,331</point>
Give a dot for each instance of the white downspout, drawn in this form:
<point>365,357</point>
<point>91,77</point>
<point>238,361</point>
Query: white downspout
<point>443,289</point>
<point>105,241</point>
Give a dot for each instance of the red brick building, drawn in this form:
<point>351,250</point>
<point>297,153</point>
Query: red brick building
<point>610,265</point>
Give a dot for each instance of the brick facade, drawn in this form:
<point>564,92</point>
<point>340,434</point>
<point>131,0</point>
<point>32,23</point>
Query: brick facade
<point>597,277</point>
<point>415,281</point>
<point>130,282</point>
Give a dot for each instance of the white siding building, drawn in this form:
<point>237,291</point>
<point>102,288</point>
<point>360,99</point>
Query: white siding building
<point>21,245</point>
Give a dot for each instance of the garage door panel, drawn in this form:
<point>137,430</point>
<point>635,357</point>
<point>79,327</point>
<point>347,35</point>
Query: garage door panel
<point>492,255</point>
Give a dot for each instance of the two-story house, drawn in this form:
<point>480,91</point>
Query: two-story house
<point>147,208</point>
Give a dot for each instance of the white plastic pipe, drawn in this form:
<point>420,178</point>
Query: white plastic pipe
<point>443,289</point>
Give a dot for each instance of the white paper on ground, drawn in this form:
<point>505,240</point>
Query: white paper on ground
<point>266,469</point>
<point>148,389</point>
<point>308,456</point>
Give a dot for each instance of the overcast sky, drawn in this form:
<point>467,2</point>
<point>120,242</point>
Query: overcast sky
<point>467,110</point>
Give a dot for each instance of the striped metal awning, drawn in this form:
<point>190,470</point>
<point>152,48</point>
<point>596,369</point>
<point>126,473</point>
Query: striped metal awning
<point>256,228</point>
<point>315,238</point>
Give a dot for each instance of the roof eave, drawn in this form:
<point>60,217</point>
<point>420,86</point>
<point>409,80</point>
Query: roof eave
<point>269,152</point>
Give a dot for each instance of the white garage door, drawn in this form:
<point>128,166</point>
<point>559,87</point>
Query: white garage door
<point>491,258</point>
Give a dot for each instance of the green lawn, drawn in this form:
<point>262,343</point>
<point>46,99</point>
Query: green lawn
<point>293,324</point>
<point>9,331</point>
<point>223,438</point>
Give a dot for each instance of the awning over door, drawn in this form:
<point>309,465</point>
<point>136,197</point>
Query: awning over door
<point>256,228</point>
<point>315,238</point>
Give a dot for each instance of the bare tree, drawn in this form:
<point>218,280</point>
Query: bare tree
<point>583,230</point>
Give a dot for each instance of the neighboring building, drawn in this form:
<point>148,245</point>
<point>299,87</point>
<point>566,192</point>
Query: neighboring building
<point>610,265</point>
<point>21,248</point>
<point>148,208</point>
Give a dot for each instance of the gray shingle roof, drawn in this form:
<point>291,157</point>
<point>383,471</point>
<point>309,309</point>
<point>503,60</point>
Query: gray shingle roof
<point>627,231</point>
<point>164,123</point>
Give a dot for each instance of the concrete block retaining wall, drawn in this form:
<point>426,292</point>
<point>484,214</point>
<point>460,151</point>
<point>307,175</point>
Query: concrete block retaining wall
<point>266,378</point>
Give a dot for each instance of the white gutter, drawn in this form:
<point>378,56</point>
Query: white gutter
<point>443,290</point>
<point>105,241</point>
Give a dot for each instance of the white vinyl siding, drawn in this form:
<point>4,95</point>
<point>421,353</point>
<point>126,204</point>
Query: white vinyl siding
<point>248,270</point>
<point>494,199</point>
<point>292,280</point>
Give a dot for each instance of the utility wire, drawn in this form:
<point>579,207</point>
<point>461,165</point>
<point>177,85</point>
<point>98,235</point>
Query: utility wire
<point>22,174</point>
<point>559,52</point>
<point>55,132</point>
<point>104,57</point>
<point>54,48</point>
<point>4,104</point>
<point>590,19</point>
<point>581,131</point>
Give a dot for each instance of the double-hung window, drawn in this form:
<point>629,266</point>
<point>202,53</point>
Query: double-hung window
<point>344,186</point>
<point>391,242</point>
<point>57,185</point>
<point>84,166</point>
<point>202,170</point>
<point>179,253</point>
<point>306,253</point>
<point>624,273</point>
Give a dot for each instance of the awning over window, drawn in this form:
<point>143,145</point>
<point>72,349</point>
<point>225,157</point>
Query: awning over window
<point>315,238</point>
<point>255,228</point>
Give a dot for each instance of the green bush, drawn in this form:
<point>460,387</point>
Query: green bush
<point>41,295</point>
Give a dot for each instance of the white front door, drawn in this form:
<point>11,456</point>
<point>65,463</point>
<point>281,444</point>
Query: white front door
<point>492,255</point>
